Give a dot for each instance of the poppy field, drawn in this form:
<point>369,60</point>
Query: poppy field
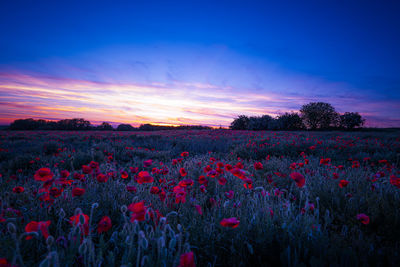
<point>199,198</point>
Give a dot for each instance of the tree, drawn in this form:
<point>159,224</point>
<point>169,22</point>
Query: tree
<point>290,121</point>
<point>350,120</point>
<point>125,127</point>
<point>319,115</point>
<point>240,123</point>
<point>105,126</point>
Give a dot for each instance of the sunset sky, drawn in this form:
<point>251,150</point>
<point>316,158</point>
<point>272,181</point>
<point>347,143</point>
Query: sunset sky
<point>197,62</point>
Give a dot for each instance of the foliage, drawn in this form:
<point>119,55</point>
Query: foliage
<point>319,115</point>
<point>350,120</point>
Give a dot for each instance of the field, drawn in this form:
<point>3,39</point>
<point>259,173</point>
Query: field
<point>210,198</point>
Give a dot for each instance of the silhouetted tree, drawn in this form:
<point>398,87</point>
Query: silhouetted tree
<point>240,123</point>
<point>319,115</point>
<point>125,127</point>
<point>105,126</point>
<point>350,120</point>
<point>290,121</point>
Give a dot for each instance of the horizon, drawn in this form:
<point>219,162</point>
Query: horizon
<point>197,63</point>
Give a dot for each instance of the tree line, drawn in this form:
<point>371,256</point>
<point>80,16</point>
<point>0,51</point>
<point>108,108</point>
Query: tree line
<point>312,116</point>
<point>79,124</point>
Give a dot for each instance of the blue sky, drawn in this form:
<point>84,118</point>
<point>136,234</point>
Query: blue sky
<point>204,62</point>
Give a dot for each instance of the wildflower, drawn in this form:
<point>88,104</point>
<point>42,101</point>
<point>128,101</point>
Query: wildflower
<point>147,163</point>
<point>144,177</point>
<point>43,175</point>
<point>77,191</point>
<point>34,226</point>
<point>363,218</point>
<point>182,172</point>
<point>298,178</point>
<point>101,178</point>
<point>76,221</point>
<point>104,225</point>
<point>343,183</point>
<point>258,166</point>
<point>124,175</point>
<point>138,211</point>
<point>18,189</point>
<point>187,260</point>
<point>230,222</point>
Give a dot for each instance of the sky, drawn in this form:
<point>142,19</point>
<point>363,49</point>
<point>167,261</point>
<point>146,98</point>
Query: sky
<point>197,62</point>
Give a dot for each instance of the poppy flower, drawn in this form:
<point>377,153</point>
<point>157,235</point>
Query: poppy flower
<point>104,225</point>
<point>131,188</point>
<point>77,191</point>
<point>138,211</point>
<point>101,178</point>
<point>43,175</point>
<point>198,208</point>
<point>75,221</point>
<point>79,176</point>
<point>55,192</point>
<point>64,174</point>
<point>154,190</point>
<point>363,218</point>
<point>222,181</point>
<point>147,163</point>
<point>18,189</point>
<point>182,172</point>
<point>258,166</point>
<point>4,263</point>
<point>187,260</point>
<point>34,226</point>
<point>86,169</point>
<point>186,182</point>
<point>343,183</point>
<point>180,194</point>
<point>124,175</point>
<point>94,165</point>
<point>144,177</point>
<point>298,178</point>
<point>230,222</point>
<point>185,154</point>
<point>202,179</point>
<point>229,194</point>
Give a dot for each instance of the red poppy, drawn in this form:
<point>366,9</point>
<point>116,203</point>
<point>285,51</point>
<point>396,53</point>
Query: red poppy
<point>86,169</point>
<point>180,194</point>
<point>147,163</point>
<point>363,218</point>
<point>198,208</point>
<point>298,178</point>
<point>131,188</point>
<point>4,263</point>
<point>230,222</point>
<point>154,190</point>
<point>104,225</point>
<point>229,194</point>
<point>343,183</point>
<point>182,172</point>
<point>144,177</point>
<point>202,179</point>
<point>258,166</point>
<point>43,175</point>
<point>138,211</point>
<point>55,192</point>
<point>187,260</point>
<point>228,167</point>
<point>18,189</point>
<point>124,175</point>
<point>186,182</point>
<point>77,191</point>
<point>36,226</point>
<point>185,154</point>
<point>101,178</point>
<point>64,174</point>
<point>75,221</point>
<point>222,181</point>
